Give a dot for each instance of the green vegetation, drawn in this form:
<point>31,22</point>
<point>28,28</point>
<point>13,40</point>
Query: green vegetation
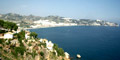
<point>8,25</point>
<point>60,51</point>
<point>12,50</point>
<point>18,50</point>
<point>53,55</point>
<point>29,44</point>
<point>2,31</point>
<point>43,44</point>
<point>5,58</point>
<point>33,34</point>
<point>21,35</point>
<point>7,43</point>
<point>33,54</point>
<point>1,41</point>
<point>41,53</point>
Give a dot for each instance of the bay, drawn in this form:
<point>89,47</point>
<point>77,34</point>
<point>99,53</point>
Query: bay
<point>91,42</point>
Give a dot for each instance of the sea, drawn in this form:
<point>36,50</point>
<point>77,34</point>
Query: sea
<point>91,42</point>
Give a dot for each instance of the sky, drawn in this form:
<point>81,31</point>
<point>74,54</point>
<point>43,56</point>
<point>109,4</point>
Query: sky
<point>78,9</point>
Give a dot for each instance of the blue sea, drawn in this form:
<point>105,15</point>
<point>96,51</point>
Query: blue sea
<point>91,42</point>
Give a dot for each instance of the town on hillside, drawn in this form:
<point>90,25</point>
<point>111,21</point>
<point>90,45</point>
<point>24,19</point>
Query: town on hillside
<point>19,44</point>
<point>32,21</point>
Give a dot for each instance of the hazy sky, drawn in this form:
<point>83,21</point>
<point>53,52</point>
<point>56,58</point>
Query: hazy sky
<point>90,9</point>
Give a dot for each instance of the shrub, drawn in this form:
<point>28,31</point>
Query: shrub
<point>43,44</point>
<point>21,35</point>
<point>33,34</point>
<point>14,53</point>
<point>8,25</point>
<point>29,44</point>
<point>41,53</point>
<point>60,51</point>
<point>20,50</point>
<point>33,53</point>
<point>1,41</point>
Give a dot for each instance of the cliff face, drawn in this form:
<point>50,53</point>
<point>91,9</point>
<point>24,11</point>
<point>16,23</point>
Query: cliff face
<point>30,49</point>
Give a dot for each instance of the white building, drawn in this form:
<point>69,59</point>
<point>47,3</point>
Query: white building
<point>18,30</point>
<point>66,55</point>
<point>67,19</point>
<point>96,24</point>
<point>8,35</point>
<point>49,45</point>
<point>27,34</point>
<point>98,20</point>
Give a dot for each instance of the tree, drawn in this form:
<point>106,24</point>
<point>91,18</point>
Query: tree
<point>21,36</point>
<point>60,51</point>
<point>33,34</point>
<point>41,53</point>
<point>1,22</point>
<point>8,25</point>
<point>20,50</point>
<point>1,41</point>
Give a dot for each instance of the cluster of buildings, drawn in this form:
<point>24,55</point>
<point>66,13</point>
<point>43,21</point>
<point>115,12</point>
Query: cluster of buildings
<point>48,23</point>
<point>49,44</point>
<point>10,34</point>
<point>9,37</point>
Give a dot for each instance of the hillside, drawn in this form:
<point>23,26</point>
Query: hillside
<point>20,44</point>
<point>53,21</point>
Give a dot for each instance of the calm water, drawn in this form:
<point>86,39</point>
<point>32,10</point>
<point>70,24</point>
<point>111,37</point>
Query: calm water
<point>92,43</point>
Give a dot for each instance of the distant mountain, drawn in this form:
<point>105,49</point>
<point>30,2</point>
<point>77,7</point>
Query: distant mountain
<point>28,20</point>
<point>13,16</point>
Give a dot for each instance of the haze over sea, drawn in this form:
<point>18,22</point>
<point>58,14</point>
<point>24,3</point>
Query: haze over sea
<point>91,42</point>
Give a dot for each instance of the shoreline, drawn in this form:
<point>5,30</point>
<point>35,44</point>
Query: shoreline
<point>69,26</point>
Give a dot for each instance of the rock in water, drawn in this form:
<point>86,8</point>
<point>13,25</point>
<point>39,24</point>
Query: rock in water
<point>78,56</point>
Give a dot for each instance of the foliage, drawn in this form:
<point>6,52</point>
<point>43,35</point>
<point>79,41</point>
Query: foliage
<point>43,44</point>
<point>30,44</point>
<point>33,53</point>
<point>7,43</point>
<point>60,51</point>
<point>53,55</point>
<point>14,53</point>
<point>1,41</point>
<point>20,50</point>
<point>33,34</point>
<point>1,47</point>
<point>5,58</point>
<point>2,31</point>
<point>21,35</point>
<point>8,25</point>
<point>1,22</point>
<point>41,53</point>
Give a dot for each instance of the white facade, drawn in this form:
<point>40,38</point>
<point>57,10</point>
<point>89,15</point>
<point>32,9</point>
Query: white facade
<point>49,45</point>
<point>66,55</point>
<point>47,23</point>
<point>26,36</point>
<point>18,30</point>
<point>8,35</point>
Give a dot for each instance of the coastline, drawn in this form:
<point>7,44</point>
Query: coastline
<point>68,26</point>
